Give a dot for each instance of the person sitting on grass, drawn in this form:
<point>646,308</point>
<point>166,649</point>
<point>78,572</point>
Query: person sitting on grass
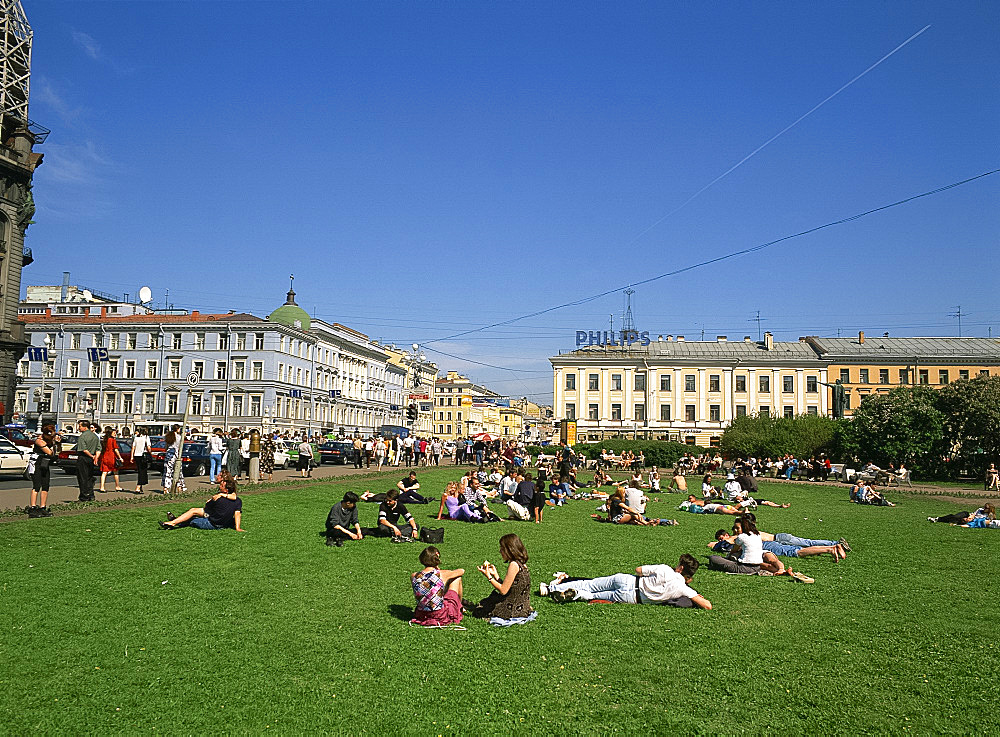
<point>559,491</point>
<point>342,522</point>
<point>656,584</point>
<point>389,513</point>
<point>654,480</point>
<point>438,591</point>
<point>509,598</point>
<point>456,509</point>
<point>222,510</point>
<point>746,554</point>
<point>862,493</point>
<point>602,479</point>
<point>964,518</point>
<point>409,490</point>
<point>678,481</point>
<point>621,513</point>
<point>699,506</point>
<point>708,491</point>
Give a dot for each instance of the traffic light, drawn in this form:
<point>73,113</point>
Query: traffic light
<point>411,413</point>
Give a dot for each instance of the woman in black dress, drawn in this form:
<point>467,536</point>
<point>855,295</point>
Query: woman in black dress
<point>510,594</point>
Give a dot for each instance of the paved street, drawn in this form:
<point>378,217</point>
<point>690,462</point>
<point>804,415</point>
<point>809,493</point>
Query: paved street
<point>14,491</point>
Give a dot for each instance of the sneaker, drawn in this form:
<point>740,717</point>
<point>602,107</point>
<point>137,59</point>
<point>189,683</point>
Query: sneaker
<point>562,597</point>
<point>803,578</point>
<point>32,512</point>
<point>843,543</point>
<point>669,522</point>
<point>171,516</point>
<point>549,503</point>
<point>44,512</point>
<point>165,526</point>
<point>339,542</point>
<point>543,589</point>
<point>929,519</point>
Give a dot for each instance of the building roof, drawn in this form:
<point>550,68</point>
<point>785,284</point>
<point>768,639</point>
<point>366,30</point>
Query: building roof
<point>689,350</point>
<point>905,349</point>
<point>291,314</point>
<point>147,319</point>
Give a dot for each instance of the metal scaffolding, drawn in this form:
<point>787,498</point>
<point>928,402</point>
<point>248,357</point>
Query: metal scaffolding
<point>15,73</point>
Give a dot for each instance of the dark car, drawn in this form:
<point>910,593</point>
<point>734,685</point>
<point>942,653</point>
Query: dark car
<point>335,452</point>
<point>67,458</point>
<point>18,436</point>
<point>196,461</point>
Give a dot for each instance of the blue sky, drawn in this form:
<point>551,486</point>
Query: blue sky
<point>429,168</point>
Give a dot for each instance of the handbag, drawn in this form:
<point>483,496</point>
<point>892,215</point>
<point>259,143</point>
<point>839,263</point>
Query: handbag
<point>118,463</point>
<point>432,535</point>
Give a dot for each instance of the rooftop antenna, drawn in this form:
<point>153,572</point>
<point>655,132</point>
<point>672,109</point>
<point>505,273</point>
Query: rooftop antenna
<point>628,324</point>
<point>145,295</point>
<point>958,314</point>
<point>756,319</point>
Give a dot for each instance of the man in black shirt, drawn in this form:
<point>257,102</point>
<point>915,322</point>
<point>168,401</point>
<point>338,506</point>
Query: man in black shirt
<point>389,513</point>
<point>409,490</point>
<point>342,522</point>
<point>223,510</point>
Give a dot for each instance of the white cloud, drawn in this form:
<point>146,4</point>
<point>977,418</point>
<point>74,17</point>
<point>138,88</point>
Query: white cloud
<point>87,44</point>
<point>44,93</point>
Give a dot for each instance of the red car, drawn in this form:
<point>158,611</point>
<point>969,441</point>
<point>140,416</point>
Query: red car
<point>67,458</point>
<point>17,436</point>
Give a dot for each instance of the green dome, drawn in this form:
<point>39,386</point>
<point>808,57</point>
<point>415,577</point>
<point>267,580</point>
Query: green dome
<point>291,314</point>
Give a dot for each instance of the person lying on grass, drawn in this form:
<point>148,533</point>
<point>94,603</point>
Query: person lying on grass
<point>724,543</point>
<point>699,506</point>
<point>987,512</point>
<point>602,479</point>
<point>222,510</point>
<point>789,540</point>
<point>438,591</point>
<point>655,584</point>
<point>389,513</point>
<point>342,522</point>
<point>740,495</point>
<point>862,493</point>
<point>509,598</point>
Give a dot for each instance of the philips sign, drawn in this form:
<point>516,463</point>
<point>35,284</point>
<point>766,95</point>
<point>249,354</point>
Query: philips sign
<point>608,338</point>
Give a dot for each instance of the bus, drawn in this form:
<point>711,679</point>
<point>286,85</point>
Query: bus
<point>387,431</point>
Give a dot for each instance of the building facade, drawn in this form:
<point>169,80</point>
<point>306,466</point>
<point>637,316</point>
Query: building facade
<point>418,384</point>
<point>462,408</point>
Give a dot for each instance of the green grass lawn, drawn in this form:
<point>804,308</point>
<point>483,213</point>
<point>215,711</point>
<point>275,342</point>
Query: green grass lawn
<point>112,625</point>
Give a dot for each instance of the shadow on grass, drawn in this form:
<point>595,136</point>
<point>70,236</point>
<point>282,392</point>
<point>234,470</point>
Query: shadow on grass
<point>401,612</point>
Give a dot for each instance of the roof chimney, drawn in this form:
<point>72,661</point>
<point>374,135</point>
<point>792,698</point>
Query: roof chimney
<point>64,293</point>
<point>670,339</point>
<point>861,337</point>
<point>721,338</point>
<point>680,338</point>
<point>746,339</point>
<point>768,342</point>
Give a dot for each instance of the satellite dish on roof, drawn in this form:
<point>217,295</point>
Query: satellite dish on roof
<point>145,294</point>
<point>87,295</point>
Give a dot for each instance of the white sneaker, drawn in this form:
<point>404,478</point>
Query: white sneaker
<point>543,589</point>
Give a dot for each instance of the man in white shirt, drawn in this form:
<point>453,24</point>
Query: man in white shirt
<point>657,584</point>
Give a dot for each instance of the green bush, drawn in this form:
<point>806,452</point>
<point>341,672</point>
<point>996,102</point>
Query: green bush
<point>660,453</point>
<point>772,437</point>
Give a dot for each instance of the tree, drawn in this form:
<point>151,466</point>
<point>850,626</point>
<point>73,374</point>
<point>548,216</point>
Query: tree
<point>764,436</point>
<point>904,425</point>
<point>972,425</point>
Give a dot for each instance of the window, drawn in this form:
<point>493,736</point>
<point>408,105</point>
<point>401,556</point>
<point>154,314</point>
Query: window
<point>199,341</point>
<point>154,341</point>
<point>984,372</point>
<point>640,413</point>
<point>925,377</point>
<point>238,405</point>
<point>741,383</point>
<point>943,376</point>
<point>95,369</point>
<point>863,376</point>
<point>571,382</point>
<point>98,340</point>
<point>130,341</point>
<point>241,341</point>
<point>883,376</point>
<point>741,410</point>
<point>110,402</point>
<point>904,376</point>
<point>714,413</point>
<point>570,411</point>
<point>616,382</point>
<point>151,369</point>
<point>258,341</point>
<point>255,403</point>
<point>765,384</point>
<point>257,370</point>
<point>616,412</point>
<point>196,404</point>
<point>665,413</point>
<point>449,416</point>
<point>22,368</point>
<point>148,403</point>
<point>689,382</point>
<point>130,369</point>
<point>764,410</point>
<point>219,404</point>
<point>239,370</point>
<point>175,342</point>
<point>459,417</point>
<point>74,340</point>
<point>640,382</point>
<point>73,369</point>
<point>281,343</point>
<point>845,376</point>
<point>448,431</point>
<point>172,403</point>
<point>127,400</point>
<point>812,410</point>
<point>220,369</point>
<point>787,384</point>
<point>593,382</point>
<point>198,367</point>
<point>113,369</point>
<point>115,342</point>
<point>593,412</point>
<point>714,383</point>
<point>788,411</point>
<point>223,343</point>
<point>689,410</point>
<point>174,368</point>
<point>812,384</point>
<point>449,401</point>
<point>963,373</point>
<point>664,382</point>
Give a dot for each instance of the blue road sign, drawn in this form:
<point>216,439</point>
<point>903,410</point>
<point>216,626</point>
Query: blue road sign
<point>38,353</point>
<point>97,354</point>
<point>295,393</point>
<point>335,394</point>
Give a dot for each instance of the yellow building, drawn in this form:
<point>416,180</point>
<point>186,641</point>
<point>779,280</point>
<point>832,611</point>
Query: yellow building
<point>462,408</point>
<point>511,423</point>
<point>868,365</point>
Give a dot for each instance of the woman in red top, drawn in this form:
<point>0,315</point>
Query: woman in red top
<point>111,457</point>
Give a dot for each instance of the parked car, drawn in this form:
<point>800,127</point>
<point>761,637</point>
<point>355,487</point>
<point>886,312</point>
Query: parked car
<point>18,436</point>
<point>13,460</point>
<point>336,451</point>
<point>195,459</point>
<point>67,458</point>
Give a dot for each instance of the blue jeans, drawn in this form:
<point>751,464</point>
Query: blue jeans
<point>215,465</point>
<point>202,523</point>
<point>619,588</point>
<point>800,542</point>
<point>789,551</point>
<point>479,457</point>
